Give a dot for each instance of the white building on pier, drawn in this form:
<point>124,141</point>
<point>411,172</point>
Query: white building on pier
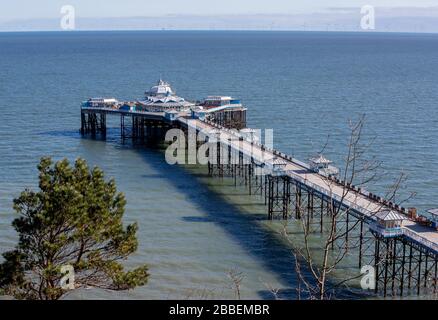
<point>162,98</point>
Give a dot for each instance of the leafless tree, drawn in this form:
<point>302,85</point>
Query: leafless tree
<point>236,278</point>
<point>273,290</point>
<point>358,172</point>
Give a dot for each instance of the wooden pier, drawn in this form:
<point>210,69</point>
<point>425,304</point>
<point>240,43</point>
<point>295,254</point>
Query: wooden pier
<point>404,263</point>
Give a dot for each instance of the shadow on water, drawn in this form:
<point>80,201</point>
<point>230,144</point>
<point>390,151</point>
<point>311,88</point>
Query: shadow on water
<point>198,219</point>
<point>244,229</point>
<point>73,134</point>
<point>263,245</point>
<point>151,176</point>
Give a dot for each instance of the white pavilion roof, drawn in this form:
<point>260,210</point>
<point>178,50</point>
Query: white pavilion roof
<point>162,88</point>
<point>162,95</point>
<point>389,215</point>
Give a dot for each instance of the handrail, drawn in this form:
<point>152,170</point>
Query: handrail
<point>325,191</point>
<point>411,234</point>
<point>123,111</point>
<point>367,213</point>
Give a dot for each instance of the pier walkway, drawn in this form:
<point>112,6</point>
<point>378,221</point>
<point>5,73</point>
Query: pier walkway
<point>353,199</point>
<point>405,258</point>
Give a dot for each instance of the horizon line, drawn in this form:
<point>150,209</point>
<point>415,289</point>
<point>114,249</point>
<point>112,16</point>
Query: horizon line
<point>218,30</point>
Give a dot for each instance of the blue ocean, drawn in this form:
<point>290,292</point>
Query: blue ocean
<point>306,86</point>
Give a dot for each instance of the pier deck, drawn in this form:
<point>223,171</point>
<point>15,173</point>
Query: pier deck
<point>353,199</point>
<point>404,260</point>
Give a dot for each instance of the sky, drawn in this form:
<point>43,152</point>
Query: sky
<point>38,9</point>
<point>392,15</point>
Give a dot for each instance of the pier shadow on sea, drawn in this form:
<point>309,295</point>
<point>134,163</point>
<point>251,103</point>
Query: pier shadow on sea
<point>264,245</point>
<point>73,134</point>
<point>76,135</point>
<point>245,228</point>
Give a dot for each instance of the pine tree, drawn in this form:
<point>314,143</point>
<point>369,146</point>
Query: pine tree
<point>75,219</point>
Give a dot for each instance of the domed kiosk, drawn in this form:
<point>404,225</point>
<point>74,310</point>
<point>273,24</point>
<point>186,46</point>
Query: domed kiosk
<point>162,98</point>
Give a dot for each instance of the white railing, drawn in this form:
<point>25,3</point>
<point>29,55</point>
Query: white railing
<point>415,236</point>
<point>297,177</point>
<point>325,191</point>
<point>124,111</point>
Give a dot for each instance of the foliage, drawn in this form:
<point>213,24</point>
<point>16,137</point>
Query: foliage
<point>74,219</point>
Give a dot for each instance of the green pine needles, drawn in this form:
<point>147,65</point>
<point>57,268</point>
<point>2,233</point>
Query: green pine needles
<point>71,235</point>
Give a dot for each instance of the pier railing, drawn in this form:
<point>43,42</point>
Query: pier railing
<point>266,156</point>
<point>284,176</point>
<point>416,237</point>
<point>369,215</point>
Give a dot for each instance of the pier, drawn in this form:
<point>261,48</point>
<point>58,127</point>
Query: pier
<point>402,250</point>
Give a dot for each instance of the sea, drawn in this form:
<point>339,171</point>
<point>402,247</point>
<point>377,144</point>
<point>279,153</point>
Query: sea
<point>198,234</point>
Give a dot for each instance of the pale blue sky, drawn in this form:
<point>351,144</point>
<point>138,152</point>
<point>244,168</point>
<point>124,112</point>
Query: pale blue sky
<point>36,9</point>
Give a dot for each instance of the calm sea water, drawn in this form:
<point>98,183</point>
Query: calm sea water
<point>193,230</point>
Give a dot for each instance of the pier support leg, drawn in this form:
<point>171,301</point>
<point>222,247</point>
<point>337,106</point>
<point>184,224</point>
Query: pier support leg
<point>286,197</point>
<point>298,202</point>
<point>377,264</point>
<point>103,124</point>
<point>270,197</point>
<point>420,260</point>
<point>410,267</point>
<point>83,123</point>
<point>385,280</point>
<point>122,127</point>
<point>426,270</point>
<point>435,280</point>
<point>322,214</point>
<point>347,231</point>
<point>93,122</point>
<point>402,278</point>
<point>360,243</point>
<point>278,198</point>
<point>394,263</point>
